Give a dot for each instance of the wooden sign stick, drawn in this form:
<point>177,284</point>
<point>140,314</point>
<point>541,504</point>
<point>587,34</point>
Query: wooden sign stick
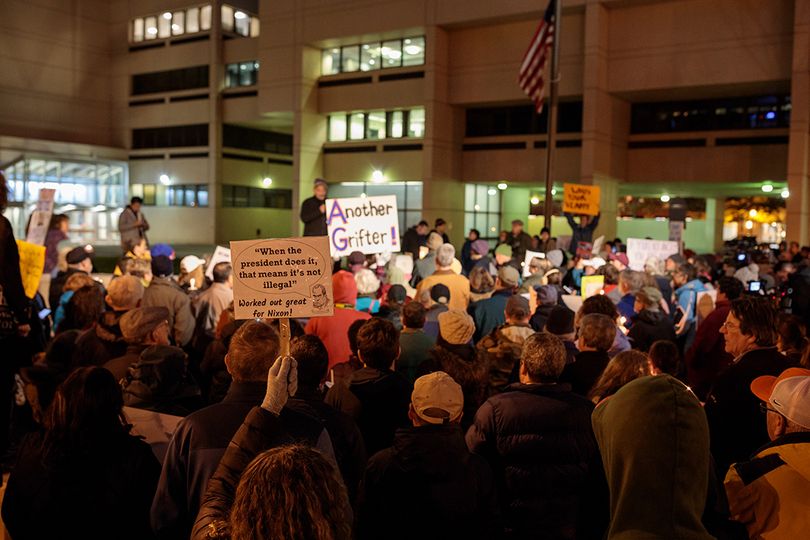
<point>284,328</point>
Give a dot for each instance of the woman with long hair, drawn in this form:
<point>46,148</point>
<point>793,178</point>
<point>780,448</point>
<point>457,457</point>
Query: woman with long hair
<point>82,475</point>
<point>625,367</point>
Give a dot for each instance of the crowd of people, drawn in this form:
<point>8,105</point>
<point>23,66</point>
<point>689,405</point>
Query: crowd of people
<point>449,396</point>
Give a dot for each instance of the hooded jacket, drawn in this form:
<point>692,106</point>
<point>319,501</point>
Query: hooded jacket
<point>648,327</point>
<point>334,330</point>
<point>102,343</point>
<point>468,366</point>
<point>167,293</point>
<point>428,485</point>
<point>769,493</point>
<point>654,441</point>
<point>159,382</point>
<point>377,400</point>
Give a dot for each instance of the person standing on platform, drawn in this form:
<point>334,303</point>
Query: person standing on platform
<point>132,224</point>
<point>313,211</point>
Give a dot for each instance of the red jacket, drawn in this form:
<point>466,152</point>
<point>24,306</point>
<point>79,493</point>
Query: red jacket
<point>707,356</point>
<point>334,330</point>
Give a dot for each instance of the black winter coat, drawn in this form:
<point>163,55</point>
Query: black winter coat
<point>585,371</point>
<point>539,441</point>
<point>314,220</point>
<point>429,486</point>
<point>649,327</point>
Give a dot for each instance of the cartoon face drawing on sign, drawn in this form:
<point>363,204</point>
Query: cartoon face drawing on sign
<point>320,300</point>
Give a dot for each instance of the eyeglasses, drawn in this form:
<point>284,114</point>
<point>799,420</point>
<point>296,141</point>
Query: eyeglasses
<point>764,408</point>
<point>730,326</point>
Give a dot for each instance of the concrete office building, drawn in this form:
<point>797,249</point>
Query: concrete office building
<point>221,115</point>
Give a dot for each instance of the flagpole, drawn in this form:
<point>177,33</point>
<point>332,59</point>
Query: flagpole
<point>552,115</point>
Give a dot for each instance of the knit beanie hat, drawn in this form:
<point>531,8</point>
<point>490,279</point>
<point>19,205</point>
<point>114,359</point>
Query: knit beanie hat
<point>456,327</point>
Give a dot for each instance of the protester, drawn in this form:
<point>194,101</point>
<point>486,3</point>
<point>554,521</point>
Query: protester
<point>210,304</point>
<point>466,249</point>
<point>414,343</point>
<point>619,261</point>
<point>440,228</point>
<point>458,285</point>
<point>600,304</point>
<point>48,371</point>
<point>596,334</point>
<point>132,224</point>
<point>79,260</point>
<point>503,257</point>
<point>707,356</point>
<point>650,324</point>
<point>141,269</point>
<point>74,283</point>
<point>414,238</point>
<point>83,310</point>
<point>375,396</point>
<point>200,439</point>
<point>429,472</point>
<point>333,330</point>
<point>367,287</point>
<point>191,267</point>
<point>664,358</point>
<point>519,241</point>
<point>766,493</point>
<point>164,291</point>
<point>391,310</point>
<point>350,451</point>
<point>793,341</point>
<point>625,367</point>
<point>658,481</point>
<point>736,424</point>
<point>504,344</point>
<point>425,266</point>
<point>537,274</point>
<point>582,232</point>
<point>489,313</point>
<point>438,298</point>
<point>344,369</point>
<point>57,233</point>
<point>136,248</point>
<point>244,494</point>
<point>481,284</point>
<point>687,286</point>
<point>546,302</point>
<point>313,210</point>
<point>547,243</point>
<point>537,437</point>
<point>105,340</point>
<point>629,285</point>
<point>82,475</point>
<point>656,268</point>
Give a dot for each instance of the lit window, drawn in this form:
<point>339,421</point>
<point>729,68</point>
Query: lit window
<point>350,59</point>
<point>241,74</point>
<point>206,14</point>
<point>370,56</point>
<point>337,127</point>
<point>137,30</point>
<point>227,18</point>
<point>241,23</point>
<point>357,126</point>
<point>416,123</point>
<point>151,28</point>
<point>392,53</point>
<point>396,124</point>
<point>192,20</point>
<point>376,125</point>
<point>178,23</point>
<point>254,27</point>
<point>165,25</point>
<point>330,61</point>
<point>413,51</point>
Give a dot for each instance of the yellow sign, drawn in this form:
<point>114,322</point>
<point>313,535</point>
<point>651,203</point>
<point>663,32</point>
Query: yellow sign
<point>591,285</point>
<point>32,263</point>
<point>579,199</point>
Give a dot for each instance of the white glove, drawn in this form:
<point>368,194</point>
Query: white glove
<point>282,382</point>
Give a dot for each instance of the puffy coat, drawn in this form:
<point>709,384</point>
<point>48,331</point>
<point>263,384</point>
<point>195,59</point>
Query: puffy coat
<point>649,327</point>
<point>428,485</point>
<point>539,441</point>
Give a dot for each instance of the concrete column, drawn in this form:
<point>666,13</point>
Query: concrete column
<point>443,191</point>
<point>715,220</point>
<point>216,82</point>
<point>798,204</point>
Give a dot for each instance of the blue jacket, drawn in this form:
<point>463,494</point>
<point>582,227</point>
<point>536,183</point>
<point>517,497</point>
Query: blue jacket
<point>686,298</point>
<point>626,305</point>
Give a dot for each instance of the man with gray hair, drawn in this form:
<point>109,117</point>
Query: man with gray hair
<point>458,285</point>
<point>629,284</point>
<point>657,268</point>
<point>519,429</point>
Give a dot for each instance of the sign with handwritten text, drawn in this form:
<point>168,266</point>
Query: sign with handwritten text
<point>32,263</point>
<point>367,225</point>
<point>579,199</point>
<point>638,251</point>
<point>287,277</point>
<point>41,217</point>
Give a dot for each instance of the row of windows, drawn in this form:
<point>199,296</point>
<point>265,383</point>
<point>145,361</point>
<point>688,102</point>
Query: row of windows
<point>751,112</point>
<point>160,195</point>
<point>256,139</point>
<point>177,23</point>
<point>377,125</point>
<point>241,74</point>
<point>191,21</point>
<point>170,137</point>
<point>170,81</point>
<point>371,56</point>
<point>252,197</point>
<point>522,120</point>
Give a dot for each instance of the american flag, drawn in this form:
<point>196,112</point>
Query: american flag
<point>534,63</point>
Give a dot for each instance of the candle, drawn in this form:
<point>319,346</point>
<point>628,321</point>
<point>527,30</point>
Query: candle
<point>192,287</point>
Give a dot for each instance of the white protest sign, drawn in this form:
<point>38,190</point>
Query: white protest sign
<point>287,277</point>
<point>597,246</point>
<point>639,250</point>
<point>41,218</point>
<point>221,254</point>
<point>528,260</point>
<point>367,225</point>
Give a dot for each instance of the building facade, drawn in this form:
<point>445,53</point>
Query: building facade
<point>223,114</point>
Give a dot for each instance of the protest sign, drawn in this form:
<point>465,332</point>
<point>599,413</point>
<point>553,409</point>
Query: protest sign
<point>287,277</point>
<point>639,250</point>
<point>41,218</point>
<point>676,231</point>
<point>367,225</point>
<point>221,254</point>
<point>597,246</point>
<point>32,263</point>
<point>579,199</point>
<point>591,285</point>
<point>528,261</point>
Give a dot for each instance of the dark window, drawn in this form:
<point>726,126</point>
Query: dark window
<point>751,112</point>
<point>241,74</point>
<point>170,81</point>
<point>252,197</point>
<point>170,137</point>
<point>256,140</point>
<point>522,120</point>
